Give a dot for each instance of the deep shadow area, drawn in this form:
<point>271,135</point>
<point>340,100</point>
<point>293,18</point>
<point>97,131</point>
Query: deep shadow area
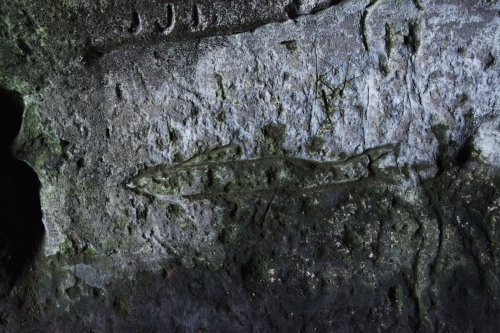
<point>21,227</point>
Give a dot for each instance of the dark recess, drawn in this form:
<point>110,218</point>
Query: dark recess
<point>464,154</point>
<point>293,9</point>
<point>196,16</point>
<point>21,227</point>
<point>135,25</point>
<point>91,54</point>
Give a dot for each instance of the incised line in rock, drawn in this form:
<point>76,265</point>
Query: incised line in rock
<point>364,28</point>
<point>331,92</point>
<point>199,27</point>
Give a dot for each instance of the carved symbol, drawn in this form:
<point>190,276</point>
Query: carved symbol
<point>218,173</point>
<point>328,93</point>
<point>196,15</point>
<point>136,24</point>
<point>369,9</point>
<point>167,25</point>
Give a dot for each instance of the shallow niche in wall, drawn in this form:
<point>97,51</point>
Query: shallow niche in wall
<point>21,227</point>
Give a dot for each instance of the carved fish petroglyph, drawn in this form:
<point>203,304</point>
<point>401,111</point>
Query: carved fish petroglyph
<point>209,174</point>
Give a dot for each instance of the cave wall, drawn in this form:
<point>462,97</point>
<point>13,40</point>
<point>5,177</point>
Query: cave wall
<point>258,165</point>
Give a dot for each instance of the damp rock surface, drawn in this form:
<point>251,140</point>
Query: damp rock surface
<point>258,165</point>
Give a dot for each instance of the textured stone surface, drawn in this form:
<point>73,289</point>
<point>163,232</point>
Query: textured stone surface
<point>259,165</point>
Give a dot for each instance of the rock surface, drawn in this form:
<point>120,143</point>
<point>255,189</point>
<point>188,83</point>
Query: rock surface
<point>258,165</point>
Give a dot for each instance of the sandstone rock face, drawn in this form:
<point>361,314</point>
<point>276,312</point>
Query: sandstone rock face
<point>258,165</point>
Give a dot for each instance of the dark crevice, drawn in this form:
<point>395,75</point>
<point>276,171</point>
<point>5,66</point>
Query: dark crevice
<point>418,4</point>
<point>410,283</point>
<point>91,54</point>
<point>464,154</point>
<point>24,47</point>
<point>293,9</point>
<point>412,40</point>
<point>118,91</point>
<point>135,25</point>
<point>363,26</point>
<point>21,228</point>
<point>196,16</point>
<point>170,16</point>
<point>490,61</point>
